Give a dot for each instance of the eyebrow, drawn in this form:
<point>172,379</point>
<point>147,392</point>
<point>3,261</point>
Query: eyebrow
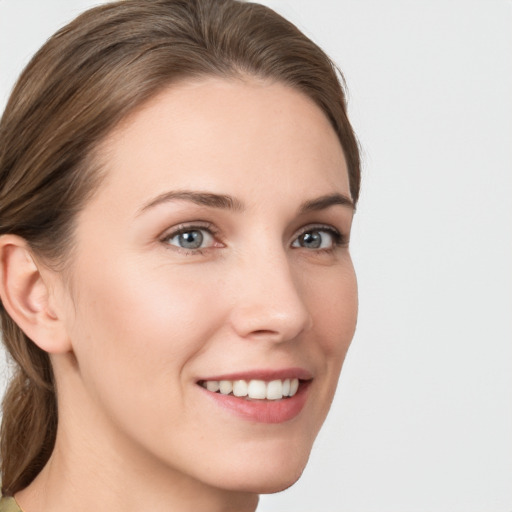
<point>323,202</point>
<point>222,201</point>
<point>226,202</point>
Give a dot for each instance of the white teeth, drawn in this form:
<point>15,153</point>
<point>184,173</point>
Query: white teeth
<point>240,388</point>
<point>294,386</point>
<point>255,389</point>
<point>212,385</point>
<point>286,387</point>
<point>275,390</point>
<point>225,387</point>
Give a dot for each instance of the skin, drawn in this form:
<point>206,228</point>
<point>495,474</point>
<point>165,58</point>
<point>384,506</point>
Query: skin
<point>142,319</point>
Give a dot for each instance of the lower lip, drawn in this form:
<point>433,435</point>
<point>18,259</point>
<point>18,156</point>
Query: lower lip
<point>263,411</point>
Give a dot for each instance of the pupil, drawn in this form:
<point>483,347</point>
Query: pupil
<point>312,240</point>
<point>191,239</point>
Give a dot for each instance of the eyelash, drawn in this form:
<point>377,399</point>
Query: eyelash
<point>185,228</point>
<point>339,239</point>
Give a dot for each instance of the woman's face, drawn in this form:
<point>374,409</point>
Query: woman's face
<point>214,250</point>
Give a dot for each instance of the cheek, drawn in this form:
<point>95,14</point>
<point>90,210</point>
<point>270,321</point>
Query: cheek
<point>333,302</point>
<point>141,322</point>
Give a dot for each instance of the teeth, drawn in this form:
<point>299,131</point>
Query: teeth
<point>212,385</point>
<point>294,386</point>
<point>255,389</point>
<point>225,387</point>
<point>239,388</point>
<point>275,390</point>
<point>286,387</point>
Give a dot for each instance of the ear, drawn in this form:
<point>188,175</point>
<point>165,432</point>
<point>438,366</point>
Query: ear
<point>27,297</point>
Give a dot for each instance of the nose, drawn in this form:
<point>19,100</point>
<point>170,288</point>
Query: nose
<point>269,300</point>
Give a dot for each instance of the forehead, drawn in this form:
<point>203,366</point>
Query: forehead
<point>216,133</point>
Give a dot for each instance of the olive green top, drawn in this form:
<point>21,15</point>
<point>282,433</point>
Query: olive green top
<point>8,504</point>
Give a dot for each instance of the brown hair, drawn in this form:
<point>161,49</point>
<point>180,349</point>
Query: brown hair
<point>82,83</point>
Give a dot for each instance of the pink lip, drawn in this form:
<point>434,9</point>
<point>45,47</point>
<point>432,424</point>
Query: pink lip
<point>266,375</point>
<point>263,411</point>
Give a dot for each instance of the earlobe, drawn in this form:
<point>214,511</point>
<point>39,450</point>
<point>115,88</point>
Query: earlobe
<point>27,298</point>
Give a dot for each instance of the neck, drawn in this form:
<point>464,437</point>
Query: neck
<point>106,482</point>
<point>84,491</point>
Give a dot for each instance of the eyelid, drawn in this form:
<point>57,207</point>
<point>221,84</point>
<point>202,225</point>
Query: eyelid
<point>340,239</point>
<point>170,233</point>
<point>188,226</point>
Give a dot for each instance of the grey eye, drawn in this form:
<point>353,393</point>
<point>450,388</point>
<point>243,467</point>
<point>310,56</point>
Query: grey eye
<point>311,240</point>
<point>316,239</point>
<point>191,239</point>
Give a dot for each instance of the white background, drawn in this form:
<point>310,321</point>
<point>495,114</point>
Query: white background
<point>423,416</point>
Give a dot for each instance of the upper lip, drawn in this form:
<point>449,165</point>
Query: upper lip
<point>264,374</point>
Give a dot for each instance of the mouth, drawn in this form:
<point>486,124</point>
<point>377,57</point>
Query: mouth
<point>264,398</point>
<point>254,389</point>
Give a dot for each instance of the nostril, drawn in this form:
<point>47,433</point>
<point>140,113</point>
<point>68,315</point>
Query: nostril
<point>263,332</point>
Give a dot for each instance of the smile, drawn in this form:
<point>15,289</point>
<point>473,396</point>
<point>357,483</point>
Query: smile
<point>260,396</point>
<point>254,389</point>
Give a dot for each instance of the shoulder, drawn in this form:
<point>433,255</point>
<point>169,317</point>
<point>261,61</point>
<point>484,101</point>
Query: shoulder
<point>8,504</point>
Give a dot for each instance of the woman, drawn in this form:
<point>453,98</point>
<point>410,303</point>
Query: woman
<point>178,181</point>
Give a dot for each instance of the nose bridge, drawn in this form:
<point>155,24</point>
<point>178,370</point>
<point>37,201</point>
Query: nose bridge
<point>269,300</point>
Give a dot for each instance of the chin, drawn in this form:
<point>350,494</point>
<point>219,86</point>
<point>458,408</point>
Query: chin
<point>269,484</point>
<point>279,484</point>
<point>269,476</point>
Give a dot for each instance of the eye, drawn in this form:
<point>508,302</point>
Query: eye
<point>191,238</point>
<point>325,238</point>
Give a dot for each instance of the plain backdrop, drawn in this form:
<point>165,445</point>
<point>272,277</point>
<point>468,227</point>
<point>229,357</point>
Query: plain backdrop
<point>423,416</point>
